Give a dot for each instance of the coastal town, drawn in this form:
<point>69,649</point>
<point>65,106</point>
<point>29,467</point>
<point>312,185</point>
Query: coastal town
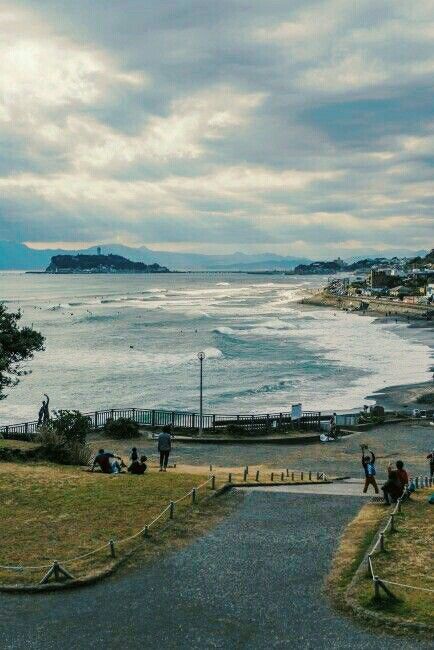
<point>393,286</point>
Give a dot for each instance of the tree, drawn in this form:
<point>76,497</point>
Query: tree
<point>17,345</point>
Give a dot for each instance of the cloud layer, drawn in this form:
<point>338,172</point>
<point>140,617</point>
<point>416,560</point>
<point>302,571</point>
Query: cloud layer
<point>301,127</point>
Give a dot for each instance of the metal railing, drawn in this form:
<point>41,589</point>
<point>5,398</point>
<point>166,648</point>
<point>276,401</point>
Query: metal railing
<point>183,420</point>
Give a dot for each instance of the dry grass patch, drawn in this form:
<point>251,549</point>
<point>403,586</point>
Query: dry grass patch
<point>18,444</point>
<point>56,512</point>
<point>408,559</point>
<point>357,538</point>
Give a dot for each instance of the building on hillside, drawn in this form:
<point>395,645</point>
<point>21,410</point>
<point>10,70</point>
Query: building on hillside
<point>379,279</point>
<point>399,292</point>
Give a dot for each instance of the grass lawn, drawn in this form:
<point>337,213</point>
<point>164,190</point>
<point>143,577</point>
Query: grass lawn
<point>18,444</point>
<point>56,512</point>
<point>408,559</point>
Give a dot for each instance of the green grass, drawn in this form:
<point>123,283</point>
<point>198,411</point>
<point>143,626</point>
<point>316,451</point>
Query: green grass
<point>54,512</point>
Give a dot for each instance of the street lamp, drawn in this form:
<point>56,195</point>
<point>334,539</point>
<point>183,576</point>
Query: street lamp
<point>201,357</point>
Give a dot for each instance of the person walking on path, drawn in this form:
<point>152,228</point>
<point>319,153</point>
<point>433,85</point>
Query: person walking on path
<point>164,447</point>
<point>430,457</point>
<point>368,463</point>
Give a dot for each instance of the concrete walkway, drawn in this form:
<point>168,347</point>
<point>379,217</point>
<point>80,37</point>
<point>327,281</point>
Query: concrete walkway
<point>255,581</point>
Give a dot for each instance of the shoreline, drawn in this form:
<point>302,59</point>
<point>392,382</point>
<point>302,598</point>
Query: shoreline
<point>396,396</point>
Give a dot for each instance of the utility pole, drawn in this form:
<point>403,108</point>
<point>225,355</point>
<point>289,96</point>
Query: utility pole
<point>201,357</point>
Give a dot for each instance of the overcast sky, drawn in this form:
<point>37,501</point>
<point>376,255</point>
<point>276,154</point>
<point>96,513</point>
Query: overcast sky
<point>257,125</point>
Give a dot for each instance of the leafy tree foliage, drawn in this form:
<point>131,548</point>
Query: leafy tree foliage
<point>73,426</point>
<point>17,345</point>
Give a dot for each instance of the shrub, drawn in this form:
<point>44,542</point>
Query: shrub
<point>72,425</point>
<point>63,439</point>
<point>58,449</point>
<point>235,430</point>
<point>122,428</point>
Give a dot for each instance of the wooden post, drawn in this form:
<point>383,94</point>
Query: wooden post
<point>171,509</point>
<point>376,587</point>
<point>146,532</point>
<point>416,482</point>
<point>382,547</point>
<point>310,475</point>
<point>292,476</point>
<point>301,476</point>
<point>112,548</point>
<point>282,476</point>
<point>245,475</point>
<point>213,483</point>
<point>392,523</point>
<point>210,468</point>
<point>257,474</point>
<point>193,496</point>
<point>272,476</point>
<point>287,472</point>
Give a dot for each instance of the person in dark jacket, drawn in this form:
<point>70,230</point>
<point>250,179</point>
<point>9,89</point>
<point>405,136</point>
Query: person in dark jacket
<point>138,466</point>
<point>164,447</point>
<point>368,463</point>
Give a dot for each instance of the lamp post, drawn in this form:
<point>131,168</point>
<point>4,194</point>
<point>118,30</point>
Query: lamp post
<point>201,357</point>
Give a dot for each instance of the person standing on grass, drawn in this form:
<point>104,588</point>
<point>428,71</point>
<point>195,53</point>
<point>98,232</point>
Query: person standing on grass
<point>164,447</point>
<point>368,462</point>
<point>430,457</point>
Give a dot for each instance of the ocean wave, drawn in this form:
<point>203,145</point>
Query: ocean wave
<point>228,331</point>
<point>282,384</point>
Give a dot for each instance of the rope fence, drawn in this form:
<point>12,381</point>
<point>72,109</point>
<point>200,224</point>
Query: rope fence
<point>56,568</point>
<point>380,545</point>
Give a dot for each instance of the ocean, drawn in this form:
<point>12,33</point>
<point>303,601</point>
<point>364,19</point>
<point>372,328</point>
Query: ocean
<point>132,340</point>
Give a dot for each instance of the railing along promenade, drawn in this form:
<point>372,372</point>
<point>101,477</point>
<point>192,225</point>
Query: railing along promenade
<point>154,418</point>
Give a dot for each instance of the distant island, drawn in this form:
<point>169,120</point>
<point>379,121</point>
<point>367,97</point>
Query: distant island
<point>100,264</point>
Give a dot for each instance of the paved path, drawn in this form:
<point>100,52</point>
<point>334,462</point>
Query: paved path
<point>254,582</point>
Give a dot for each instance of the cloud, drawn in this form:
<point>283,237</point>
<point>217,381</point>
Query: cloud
<point>306,124</point>
<point>41,72</point>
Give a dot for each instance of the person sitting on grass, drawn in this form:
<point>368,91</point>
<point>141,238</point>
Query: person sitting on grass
<point>108,462</point>
<point>368,463</point>
<point>138,467</point>
<point>164,447</point>
<point>394,487</point>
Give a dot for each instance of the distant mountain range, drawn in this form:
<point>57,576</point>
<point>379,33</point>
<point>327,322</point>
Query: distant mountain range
<point>17,256</point>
